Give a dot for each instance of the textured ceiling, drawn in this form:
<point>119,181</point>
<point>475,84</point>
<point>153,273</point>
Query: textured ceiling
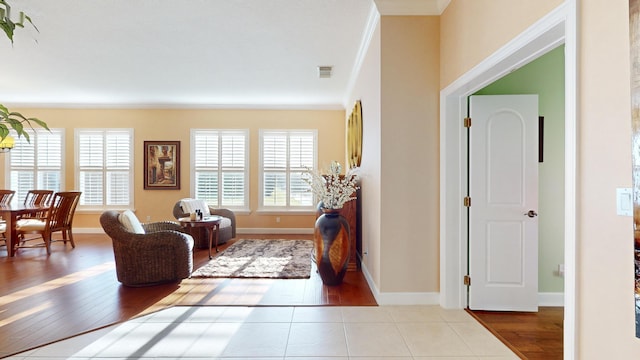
<point>210,53</point>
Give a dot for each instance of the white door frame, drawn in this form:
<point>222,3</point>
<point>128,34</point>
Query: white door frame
<point>556,28</point>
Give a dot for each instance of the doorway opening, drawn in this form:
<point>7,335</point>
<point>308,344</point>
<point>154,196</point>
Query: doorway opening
<point>555,29</point>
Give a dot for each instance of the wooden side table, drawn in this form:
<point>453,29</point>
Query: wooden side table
<point>210,222</point>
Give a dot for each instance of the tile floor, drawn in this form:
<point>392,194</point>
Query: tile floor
<point>287,333</point>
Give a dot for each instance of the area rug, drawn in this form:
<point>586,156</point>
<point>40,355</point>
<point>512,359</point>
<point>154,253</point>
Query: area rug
<point>247,258</point>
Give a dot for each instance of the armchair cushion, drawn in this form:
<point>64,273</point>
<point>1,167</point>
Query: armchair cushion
<point>130,222</point>
<point>191,205</point>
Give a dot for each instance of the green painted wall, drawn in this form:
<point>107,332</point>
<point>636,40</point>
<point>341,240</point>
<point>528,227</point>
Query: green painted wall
<point>545,77</point>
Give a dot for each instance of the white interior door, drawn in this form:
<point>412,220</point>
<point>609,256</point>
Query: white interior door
<point>503,187</point>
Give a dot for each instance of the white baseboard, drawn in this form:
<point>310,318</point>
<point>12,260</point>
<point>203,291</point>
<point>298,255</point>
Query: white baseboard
<point>551,299</point>
<point>274,231</point>
<point>88,230</point>
<point>433,298</point>
<point>398,298</point>
<point>238,231</point>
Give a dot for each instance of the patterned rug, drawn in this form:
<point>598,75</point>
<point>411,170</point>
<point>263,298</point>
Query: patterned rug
<point>275,259</point>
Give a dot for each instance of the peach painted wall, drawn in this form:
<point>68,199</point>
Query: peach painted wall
<point>367,90</point>
<point>605,240</point>
<point>398,87</point>
<point>474,29</point>
<point>409,235</point>
<point>175,124</point>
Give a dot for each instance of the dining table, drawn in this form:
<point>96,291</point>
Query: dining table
<point>11,214</point>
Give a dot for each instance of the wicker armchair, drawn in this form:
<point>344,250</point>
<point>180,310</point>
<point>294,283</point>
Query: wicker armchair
<point>201,236</point>
<point>162,254</point>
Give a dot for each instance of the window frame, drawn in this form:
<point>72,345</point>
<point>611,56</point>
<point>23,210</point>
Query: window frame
<point>78,169</point>
<point>220,133</point>
<point>34,136</point>
<point>288,208</point>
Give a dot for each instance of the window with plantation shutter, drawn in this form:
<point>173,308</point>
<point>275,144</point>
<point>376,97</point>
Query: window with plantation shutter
<point>104,172</point>
<point>284,156</point>
<point>220,167</point>
<point>36,164</point>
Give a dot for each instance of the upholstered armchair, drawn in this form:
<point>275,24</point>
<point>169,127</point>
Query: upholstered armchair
<point>148,254</point>
<point>201,237</point>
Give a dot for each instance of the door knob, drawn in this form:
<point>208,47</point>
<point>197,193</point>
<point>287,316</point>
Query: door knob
<point>531,214</point>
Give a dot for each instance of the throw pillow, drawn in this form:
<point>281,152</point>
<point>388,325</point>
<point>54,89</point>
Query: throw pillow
<point>191,205</point>
<point>129,220</point>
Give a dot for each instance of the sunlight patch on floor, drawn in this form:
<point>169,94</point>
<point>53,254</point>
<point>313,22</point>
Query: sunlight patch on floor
<point>57,283</point>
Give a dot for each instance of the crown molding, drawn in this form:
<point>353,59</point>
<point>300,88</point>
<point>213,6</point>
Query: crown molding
<point>178,106</point>
<point>372,23</point>
<point>411,7</point>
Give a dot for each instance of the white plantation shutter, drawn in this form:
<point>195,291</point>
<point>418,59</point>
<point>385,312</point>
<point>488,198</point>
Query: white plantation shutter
<point>24,153</point>
<point>105,167</point>
<point>21,181</point>
<point>285,156</point>
<point>220,167</point>
<point>206,159</point>
<point>301,158</point>
<point>233,159</point>
<point>36,164</point>
<point>274,166</point>
<point>49,158</point>
<point>49,149</point>
<point>91,164</point>
<point>301,150</point>
<point>118,167</point>
<point>274,150</point>
<point>206,147</point>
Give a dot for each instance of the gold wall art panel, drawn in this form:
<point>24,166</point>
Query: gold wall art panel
<point>354,136</point>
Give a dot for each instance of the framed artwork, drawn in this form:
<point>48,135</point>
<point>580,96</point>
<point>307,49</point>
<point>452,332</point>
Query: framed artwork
<point>162,165</point>
<point>540,138</point>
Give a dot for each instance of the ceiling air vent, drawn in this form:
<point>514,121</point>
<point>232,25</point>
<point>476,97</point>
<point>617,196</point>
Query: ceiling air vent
<point>324,71</point>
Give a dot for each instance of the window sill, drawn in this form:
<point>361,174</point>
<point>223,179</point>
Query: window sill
<point>100,210</point>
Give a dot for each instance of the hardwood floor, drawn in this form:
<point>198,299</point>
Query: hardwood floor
<point>532,336</point>
<point>45,299</point>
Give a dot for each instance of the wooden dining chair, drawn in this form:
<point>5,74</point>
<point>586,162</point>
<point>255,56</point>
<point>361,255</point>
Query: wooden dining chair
<point>6,196</point>
<point>37,198</point>
<point>59,217</point>
<point>3,230</point>
<point>5,199</point>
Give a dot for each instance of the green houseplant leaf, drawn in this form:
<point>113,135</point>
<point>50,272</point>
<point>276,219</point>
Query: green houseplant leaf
<point>12,120</point>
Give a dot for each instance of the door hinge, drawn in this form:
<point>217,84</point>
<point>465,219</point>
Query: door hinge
<point>467,122</point>
<point>467,280</point>
<point>467,201</point>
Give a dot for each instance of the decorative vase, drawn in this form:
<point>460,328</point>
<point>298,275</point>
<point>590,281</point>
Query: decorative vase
<point>331,246</point>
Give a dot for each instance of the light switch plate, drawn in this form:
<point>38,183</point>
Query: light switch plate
<point>624,201</point>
